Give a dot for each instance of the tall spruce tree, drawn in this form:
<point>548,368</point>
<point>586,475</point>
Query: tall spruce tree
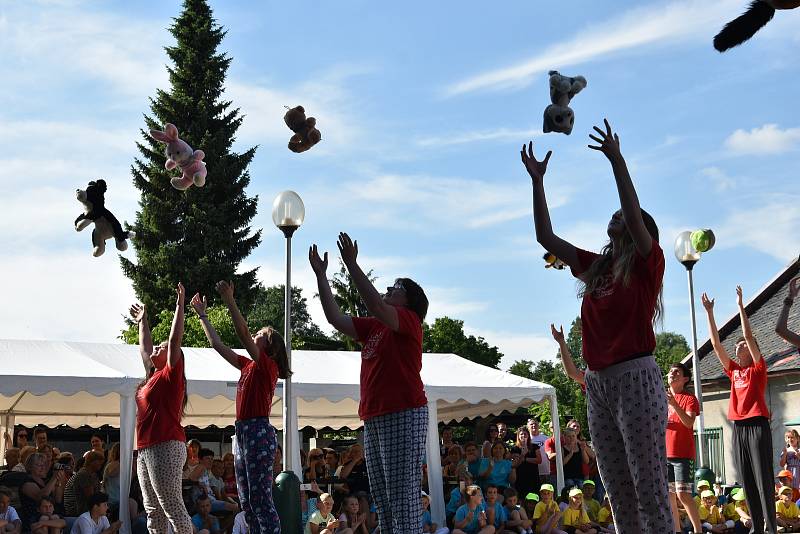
<point>201,235</point>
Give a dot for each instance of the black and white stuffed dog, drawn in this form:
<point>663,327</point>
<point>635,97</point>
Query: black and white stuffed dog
<point>558,116</point>
<point>106,225</point>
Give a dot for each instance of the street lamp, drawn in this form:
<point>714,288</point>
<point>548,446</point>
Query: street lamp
<point>687,255</point>
<point>288,213</point>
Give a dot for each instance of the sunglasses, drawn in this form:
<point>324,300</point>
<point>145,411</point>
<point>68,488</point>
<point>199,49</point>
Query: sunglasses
<point>398,286</point>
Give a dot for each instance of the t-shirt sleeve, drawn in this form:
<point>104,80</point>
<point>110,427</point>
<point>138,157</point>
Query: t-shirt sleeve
<point>197,521</point>
<point>654,263</point>
<point>461,513</point>
<point>585,259</point>
<point>693,406</point>
<point>363,327</point>
<point>537,512</point>
<point>104,523</point>
<point>408,323</point>
<point>732,366</point>
<point>242,361</point>
<point>12,515</point>
<point>175,372</point>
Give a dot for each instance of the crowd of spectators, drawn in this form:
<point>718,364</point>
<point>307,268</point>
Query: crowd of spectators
<point>503,483</point>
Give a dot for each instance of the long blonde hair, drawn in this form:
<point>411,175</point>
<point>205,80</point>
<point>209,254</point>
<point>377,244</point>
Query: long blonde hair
<point>595,276</point>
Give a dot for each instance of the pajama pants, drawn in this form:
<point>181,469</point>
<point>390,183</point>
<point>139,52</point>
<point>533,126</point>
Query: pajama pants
<point>628,422</point>
<point>751,438</point>
<point>160,470</point>
<point>254,455</point>
<point>394,446</point>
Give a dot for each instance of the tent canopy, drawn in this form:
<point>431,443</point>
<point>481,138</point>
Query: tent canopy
<point>52,383</point>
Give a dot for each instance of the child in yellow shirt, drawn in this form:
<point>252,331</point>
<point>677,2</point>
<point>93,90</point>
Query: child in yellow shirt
<point>787,511</point>
<point>711,515</point>
<point>741,510</point>
<point>576,520</point>
<point>547,514</point>
<point>605,518</point>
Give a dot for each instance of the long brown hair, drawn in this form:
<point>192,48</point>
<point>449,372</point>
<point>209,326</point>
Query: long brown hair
<point>621,268</point>
<point>277,352</point>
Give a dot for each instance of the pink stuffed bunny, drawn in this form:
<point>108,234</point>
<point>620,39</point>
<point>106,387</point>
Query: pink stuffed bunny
<point>180,154</point>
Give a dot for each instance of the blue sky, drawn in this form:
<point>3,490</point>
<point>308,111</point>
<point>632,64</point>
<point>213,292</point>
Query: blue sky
<point>423,107</point>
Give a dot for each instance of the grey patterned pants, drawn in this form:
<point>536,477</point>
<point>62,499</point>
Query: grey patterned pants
<point>628,423</point>
<point>394,446</point>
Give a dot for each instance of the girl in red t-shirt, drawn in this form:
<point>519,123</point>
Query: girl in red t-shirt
<point>160,440</point>
<point>748,410</point>
<point>393,405</point>
<point>256,440</point>
<point>621,292</point>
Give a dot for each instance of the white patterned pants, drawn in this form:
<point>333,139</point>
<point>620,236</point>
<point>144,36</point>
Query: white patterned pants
<point>160,470</point>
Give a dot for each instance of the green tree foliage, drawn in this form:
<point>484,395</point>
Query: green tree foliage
<point>199,236</point>
<point>447,335</point>
<point>349,301</point>
<point>193,335</point>
<point>670,348</point>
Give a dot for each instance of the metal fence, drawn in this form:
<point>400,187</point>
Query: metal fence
<point>715,451</point>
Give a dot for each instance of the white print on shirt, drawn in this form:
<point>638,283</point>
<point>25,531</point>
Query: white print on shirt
<point>605,288</point>
<point>370,349</point>
<point>741,378</point>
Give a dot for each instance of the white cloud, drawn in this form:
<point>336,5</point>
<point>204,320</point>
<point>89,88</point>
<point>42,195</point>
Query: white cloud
<point>461,138</point>
<point>721,180</point>
<point>762,140</point>
<point>635,29</point>
<point>769,225</point>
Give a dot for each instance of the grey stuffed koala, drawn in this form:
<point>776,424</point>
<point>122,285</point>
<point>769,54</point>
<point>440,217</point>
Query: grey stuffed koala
<point>558,116</point>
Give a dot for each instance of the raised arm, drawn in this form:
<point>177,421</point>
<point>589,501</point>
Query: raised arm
<point>385,313</point>
<point>629,201</point>
<point>201,306</point>
<point>564,250</point>
<point>747,332</point>
<point>782,328</point>
<point>566,357</point>
<point>176,332</point>
<point>340,321</point>
<point>139,314</point>
<point>225,290</point>
<point>713,333</point>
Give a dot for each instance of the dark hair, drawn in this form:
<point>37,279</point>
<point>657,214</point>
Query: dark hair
<point>39,430</point>
<point>335,454</point>
<point>96,499</point>
<point>516,450</point>
<point>277,352</point>
<point>205,453</point>
<point>4,493</point>
<point>685,371</point>
<point>417,301</point>
<point>202,497</point>
<point>622,267</point>
<point>488,428</point>
<point>98,436</point>
<point>509,492</point>
<point>490,486</point>
<point>470,444</point>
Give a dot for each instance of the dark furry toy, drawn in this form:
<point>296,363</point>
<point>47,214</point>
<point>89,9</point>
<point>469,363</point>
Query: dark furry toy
<point>748,23</point>
<point>306,134</point>
<point>552,262</point>
<point>558,116</point>
<point>106,225</point>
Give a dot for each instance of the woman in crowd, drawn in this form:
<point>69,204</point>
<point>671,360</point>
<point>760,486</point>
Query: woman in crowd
<point>160,439</point>
<point>355,470</point>
<point>393,405</point>
<point>193,447</point>
<point>478,468</point>
<point>38,487</point>
<point>502,473</point>
<point>575,458</point>
<point>530,456</point>
<point>454,457</point>
<point>490,435</point>
<point>256,440</point>
<point>231,490</point>
<point>748,411</point>
<point>621,292</point>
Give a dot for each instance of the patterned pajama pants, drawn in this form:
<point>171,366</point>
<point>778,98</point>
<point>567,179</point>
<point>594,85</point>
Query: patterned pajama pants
<point>254,455</point>
<point>628,423</point>
<point>160,469</point>
<point>394,446</point>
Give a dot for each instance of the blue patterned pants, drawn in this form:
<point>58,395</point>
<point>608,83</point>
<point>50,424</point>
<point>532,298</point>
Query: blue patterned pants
<point>254,455</point>
<point>394,446</point>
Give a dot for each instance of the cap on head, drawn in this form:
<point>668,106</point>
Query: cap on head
<point>703,484</point>
<point>575,491</point>
<point>532,497</point>
<point>707,493</point>
<point>784,473</point>
<point>588,483</point>
<point>547,487</point>
<point>738,496</point>
<point>785,489</point>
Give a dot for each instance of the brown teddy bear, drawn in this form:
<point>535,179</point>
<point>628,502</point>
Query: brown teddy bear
<point>306,134</point>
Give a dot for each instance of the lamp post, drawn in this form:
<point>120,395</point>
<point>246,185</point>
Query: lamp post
<point>687,255</point>
<point>288,213</point>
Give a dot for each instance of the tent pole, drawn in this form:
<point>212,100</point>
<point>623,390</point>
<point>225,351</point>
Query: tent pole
<point>127,429</point>
<point>557,440</point>
<point>434,465</point>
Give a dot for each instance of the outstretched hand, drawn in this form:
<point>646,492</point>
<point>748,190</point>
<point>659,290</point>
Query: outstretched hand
<point>348,249</point>
<point>199,304</point>
<point>558,335</point>
<point>536,169</point>
<point>318,265</point>
<point>225,290</point>
<point>138,312</point>
<point>181,292</point>
<point>708,303</point>
<point>739,299</point>
<point>608,142</point>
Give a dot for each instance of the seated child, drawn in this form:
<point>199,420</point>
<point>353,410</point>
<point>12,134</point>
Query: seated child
<point>529,505</point>
<point>742,518</point>
<point>546,515</point>
<point>9,520</point>
<point>495,512</point>
<point>516,517</point>
<point>322,521</point>
<point>240,524</point>
<point>203,521</point>
<point>592,505</point>
<point>470,518</point>
<point>95,521</point>
<point>353,521</point>
<point>702,485</point>
<point>787,512</point>
<point>785,479</point>
<point>711,515</point>
<point>49,522</point>
<point>428,526</point>
<point>576,520</point>
<point>605,518</point>
<point>457,498</point>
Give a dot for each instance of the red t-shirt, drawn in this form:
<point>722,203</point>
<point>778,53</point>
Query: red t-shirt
<point>617,320</point>
<point>390,365</point>
<point>748,385</point>
<point>256,386</point>
<point>680,438</point>
<point>159,407</point>
<point>550,447</point>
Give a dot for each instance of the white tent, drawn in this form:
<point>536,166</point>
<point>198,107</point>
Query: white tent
<point>52,383</point>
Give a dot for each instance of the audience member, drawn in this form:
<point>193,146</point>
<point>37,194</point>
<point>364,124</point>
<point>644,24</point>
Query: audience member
<point>527,467</point>
<point>355,470</point>
<point>322,521</point>
<point>575,458</point>
<point>495,512</point>
<point>576,520</point>
<point>48,522</point>
<point>788,515</point>
<point>82,485</point>
<point>477,467</point>
<point>39,436</point>
<point>34,489</point>
<point>490,437</point>
<point>470,518</point>
<point>11,458</point>
<point>9,520</point>
<point>790,456</point>
<point>517,521</point>
<point>501,473</point>
<point>229,477</point>
<point>351,518</point>
<point>94,520</point>
<point>203,520</point>
<point>546,514</point>
<point>539,439</point>
<point>446,444</point>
